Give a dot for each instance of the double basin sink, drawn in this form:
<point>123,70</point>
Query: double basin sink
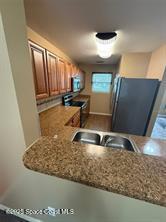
<point>113,140</point>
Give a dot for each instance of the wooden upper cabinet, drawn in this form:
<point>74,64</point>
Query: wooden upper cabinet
<point>68,76</point>
<point>62,76</point>
<point>74,70</point>
<point>52,65</point>
<point>38,58</point>
<point>82,79</point>
<point>78,71</point>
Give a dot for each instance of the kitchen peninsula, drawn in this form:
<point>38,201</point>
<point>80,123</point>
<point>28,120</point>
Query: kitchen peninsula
<point>132,174</point>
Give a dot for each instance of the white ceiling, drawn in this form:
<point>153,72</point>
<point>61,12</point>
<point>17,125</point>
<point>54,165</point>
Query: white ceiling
<point>72,24</point>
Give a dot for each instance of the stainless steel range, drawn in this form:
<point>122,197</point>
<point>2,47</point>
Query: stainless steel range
<point>67,100</point>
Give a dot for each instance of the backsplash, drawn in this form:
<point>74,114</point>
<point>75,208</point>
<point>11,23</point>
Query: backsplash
<point>47,103</point>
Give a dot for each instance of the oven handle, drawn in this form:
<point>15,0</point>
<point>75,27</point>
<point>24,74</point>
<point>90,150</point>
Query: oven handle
<point>84,106</point>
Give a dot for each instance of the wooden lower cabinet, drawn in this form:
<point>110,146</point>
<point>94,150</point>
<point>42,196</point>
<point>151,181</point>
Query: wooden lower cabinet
<point>75,120</point>
<point>38,59</point>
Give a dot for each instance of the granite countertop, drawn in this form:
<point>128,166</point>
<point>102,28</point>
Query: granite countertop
<point>131,174</point>
<point>81,97</point>
<point>52,121</point>
<point>146,145</point>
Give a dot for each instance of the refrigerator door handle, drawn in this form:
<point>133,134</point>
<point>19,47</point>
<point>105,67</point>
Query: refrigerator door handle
<point>118,90</point>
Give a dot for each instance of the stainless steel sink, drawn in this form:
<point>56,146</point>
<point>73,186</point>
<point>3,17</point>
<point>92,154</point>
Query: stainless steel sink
<point>86,137</point>
<point>112,140</point>
<point>117,142</point>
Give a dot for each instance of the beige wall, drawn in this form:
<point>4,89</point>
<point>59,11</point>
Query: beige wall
<point>16,39</point>
<point>134,65</point>
<point>34,36</point>
<point>157,69</point>
<point>18,114</point>
<point>159,106</point>
<point>157,63</point>
<point>100,102</point>
<point>12,142</point>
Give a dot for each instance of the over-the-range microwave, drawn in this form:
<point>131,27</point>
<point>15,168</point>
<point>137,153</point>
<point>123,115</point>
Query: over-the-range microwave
<point>75,83</point>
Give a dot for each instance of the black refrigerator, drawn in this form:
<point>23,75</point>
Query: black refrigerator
<point>132,104</point>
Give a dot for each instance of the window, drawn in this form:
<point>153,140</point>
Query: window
<point>101,82</point>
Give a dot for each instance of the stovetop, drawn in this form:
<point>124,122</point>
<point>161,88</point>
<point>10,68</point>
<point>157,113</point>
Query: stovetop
<point>77,103</point>
<point>68,101</point>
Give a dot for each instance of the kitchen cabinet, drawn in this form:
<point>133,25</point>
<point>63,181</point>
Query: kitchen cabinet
<point>68,76</point>
<point>82,79</point>
<point>85,113</point>
<point>75,120</point>
<point>52,66</point>
<point>75,73</point>
<point>52,75</point>
<point>38,59</point>
<point>72,70</point>
<point>62,76</point>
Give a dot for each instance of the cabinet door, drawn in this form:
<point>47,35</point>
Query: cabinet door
<point>38,58</point>
<point>72,70</point>
<point>77,71</point>
<point>52,61</point>
<point>68,76</point>
<point>62,76</point>
<point>82,79</point>
<point>75,120</point>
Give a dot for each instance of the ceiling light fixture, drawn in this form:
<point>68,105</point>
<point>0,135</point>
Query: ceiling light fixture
<point>104,42</point>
